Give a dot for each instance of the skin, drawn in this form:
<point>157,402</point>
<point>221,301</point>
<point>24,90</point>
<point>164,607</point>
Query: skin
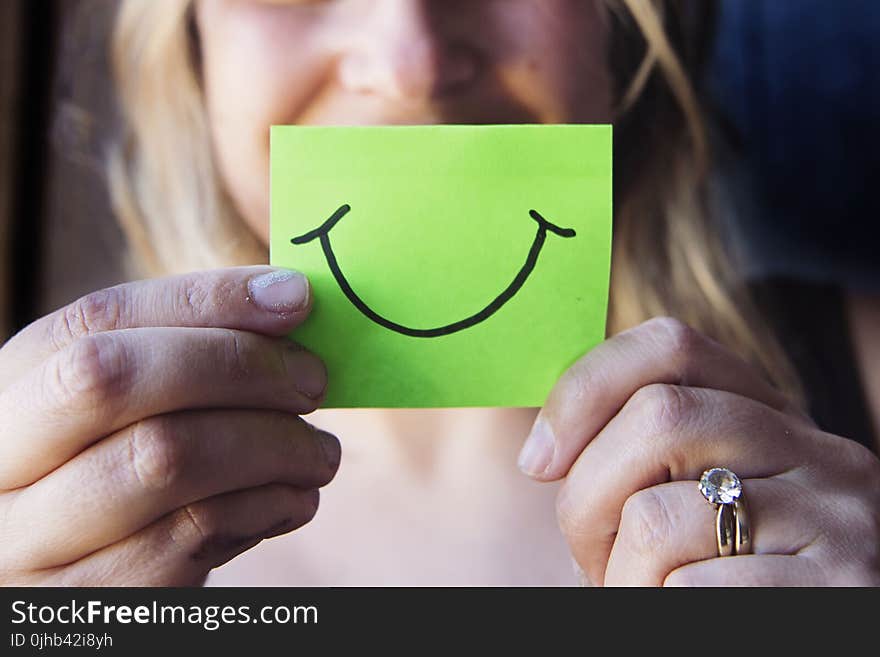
<point>126,459</point>
<point>391,62</point>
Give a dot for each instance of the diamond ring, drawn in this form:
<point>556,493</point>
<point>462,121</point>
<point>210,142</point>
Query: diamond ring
<point>721,487</point>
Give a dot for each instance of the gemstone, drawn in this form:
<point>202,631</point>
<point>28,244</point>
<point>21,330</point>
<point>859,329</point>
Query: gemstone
<point>720,486</point>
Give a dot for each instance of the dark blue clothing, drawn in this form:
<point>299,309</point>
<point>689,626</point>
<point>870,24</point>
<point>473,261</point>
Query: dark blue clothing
<point>801,83</point>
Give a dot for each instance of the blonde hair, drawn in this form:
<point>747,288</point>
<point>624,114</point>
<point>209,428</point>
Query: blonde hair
<point>668,258</point>
<point>164,183</point>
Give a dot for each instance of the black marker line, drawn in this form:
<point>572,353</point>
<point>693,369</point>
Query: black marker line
<point>323,232</point>
<point>324,228</point>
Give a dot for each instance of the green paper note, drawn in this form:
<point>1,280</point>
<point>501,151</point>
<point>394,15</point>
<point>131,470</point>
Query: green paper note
<point>450,265</point>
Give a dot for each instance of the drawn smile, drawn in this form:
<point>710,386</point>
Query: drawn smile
<point>323,232</point>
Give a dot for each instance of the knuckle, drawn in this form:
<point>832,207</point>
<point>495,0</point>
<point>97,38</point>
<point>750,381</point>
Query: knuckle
<point>157,454</point>
<point>661,408</point>
<point>196,297</point>
<point>673,332</point>
<point>646,525</point>
<point>680,340</point>
<point>93,313</point>
<point>93,370</point>
<point>205,295</point>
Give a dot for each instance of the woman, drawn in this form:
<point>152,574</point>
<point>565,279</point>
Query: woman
<point>152,430</point>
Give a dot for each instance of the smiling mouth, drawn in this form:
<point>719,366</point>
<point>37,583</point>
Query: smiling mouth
<point>322,232</point>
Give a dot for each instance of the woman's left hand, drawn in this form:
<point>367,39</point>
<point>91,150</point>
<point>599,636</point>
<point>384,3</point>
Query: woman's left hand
<point>633,424</point>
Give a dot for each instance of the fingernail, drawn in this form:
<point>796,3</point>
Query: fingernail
<point>537,453</point>
<point>281,291</point>
<point>308,372</point>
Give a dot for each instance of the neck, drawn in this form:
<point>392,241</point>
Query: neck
<point>429,443</point>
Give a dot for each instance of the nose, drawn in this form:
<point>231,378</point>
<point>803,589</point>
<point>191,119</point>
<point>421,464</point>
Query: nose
<point>401,52</point>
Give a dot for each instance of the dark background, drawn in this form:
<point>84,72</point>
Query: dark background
<point>57,235</point>
<point>799,80</point>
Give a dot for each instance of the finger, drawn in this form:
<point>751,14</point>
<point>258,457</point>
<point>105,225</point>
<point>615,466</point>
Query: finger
<point>258,299</point>
<point>182,547</point>
<point>670,433</point>
<point>143,472</point>
<point>671,525</point>
<point>107,381</point>
<point>595,388</point>
<point>750,570</point>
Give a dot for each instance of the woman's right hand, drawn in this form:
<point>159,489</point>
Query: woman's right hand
<point>150,432</point>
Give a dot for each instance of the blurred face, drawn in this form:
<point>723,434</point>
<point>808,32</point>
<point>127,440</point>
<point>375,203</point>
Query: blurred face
<point>372,62</point>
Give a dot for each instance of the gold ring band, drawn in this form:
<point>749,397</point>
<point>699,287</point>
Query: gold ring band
<point>743,542</point>
<point>724,530</point>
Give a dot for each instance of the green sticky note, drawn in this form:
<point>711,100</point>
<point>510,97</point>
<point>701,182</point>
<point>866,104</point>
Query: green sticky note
<point>450,265</point>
